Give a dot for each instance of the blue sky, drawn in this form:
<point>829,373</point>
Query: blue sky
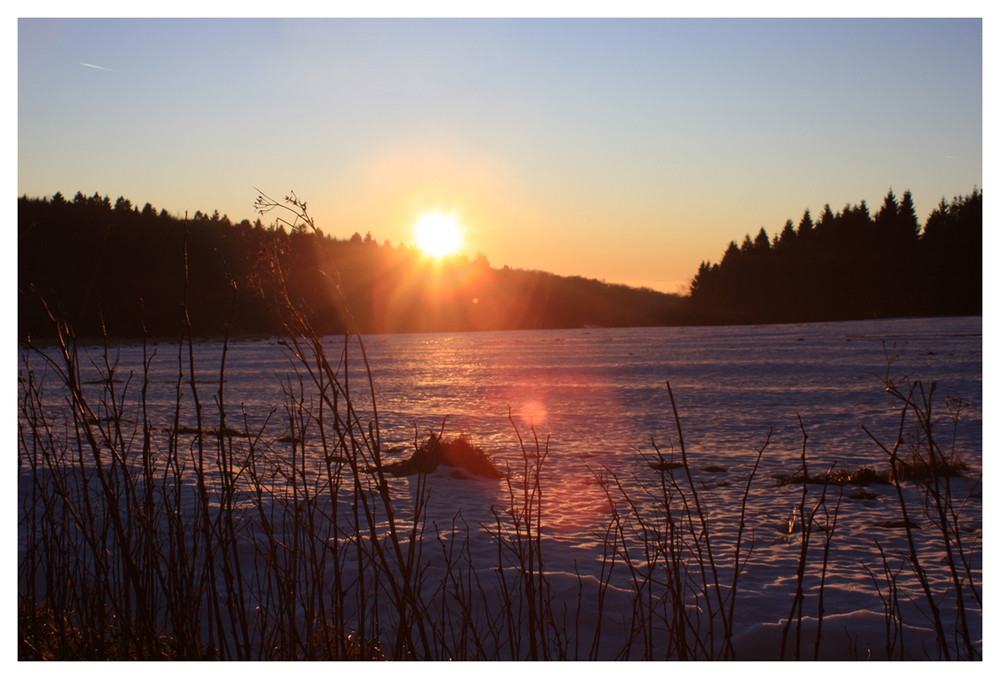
<point>624,150</point>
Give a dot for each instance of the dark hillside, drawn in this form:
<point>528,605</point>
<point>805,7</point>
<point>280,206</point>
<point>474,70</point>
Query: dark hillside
<point>119,269</point>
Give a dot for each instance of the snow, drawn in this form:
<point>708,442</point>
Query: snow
<point>594,403</point>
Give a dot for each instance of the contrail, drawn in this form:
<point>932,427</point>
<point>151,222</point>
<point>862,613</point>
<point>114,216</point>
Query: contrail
<point>101,68</point>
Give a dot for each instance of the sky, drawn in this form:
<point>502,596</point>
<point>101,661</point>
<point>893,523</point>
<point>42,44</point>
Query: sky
<point>627,150</point>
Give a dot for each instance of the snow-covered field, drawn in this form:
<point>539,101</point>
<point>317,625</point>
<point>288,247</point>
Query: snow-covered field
<point>594,404</point>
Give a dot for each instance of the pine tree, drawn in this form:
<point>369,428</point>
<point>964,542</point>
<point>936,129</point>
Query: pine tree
<point>908,221</point>
<point>786,239</point>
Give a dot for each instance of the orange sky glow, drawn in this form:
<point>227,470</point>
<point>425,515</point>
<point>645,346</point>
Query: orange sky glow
<point>622,150</point>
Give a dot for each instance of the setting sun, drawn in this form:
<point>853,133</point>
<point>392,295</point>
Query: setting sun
<point>438,233</point>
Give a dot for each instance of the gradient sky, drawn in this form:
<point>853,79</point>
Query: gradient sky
<point>623,150</point>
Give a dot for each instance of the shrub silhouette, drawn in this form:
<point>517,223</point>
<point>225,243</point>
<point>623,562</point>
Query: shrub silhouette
<point>457,452</point>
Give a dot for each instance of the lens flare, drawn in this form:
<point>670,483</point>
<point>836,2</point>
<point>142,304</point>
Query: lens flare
<point>534,412</point>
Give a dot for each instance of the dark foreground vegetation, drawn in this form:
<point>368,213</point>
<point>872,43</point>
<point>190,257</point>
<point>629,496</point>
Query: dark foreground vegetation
<point>205,538</point>
<point>116,269</point>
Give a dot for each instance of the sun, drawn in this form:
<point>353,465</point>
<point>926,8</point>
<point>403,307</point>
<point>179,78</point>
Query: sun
<point>438,233</point>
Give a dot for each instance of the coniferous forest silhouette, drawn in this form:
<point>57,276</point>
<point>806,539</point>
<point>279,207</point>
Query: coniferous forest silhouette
<point>112,268</point>
<point>851,265</point>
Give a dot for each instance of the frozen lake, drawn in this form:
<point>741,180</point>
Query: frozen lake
<point>597,401</point>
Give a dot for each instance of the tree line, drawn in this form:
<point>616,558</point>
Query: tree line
<point>112,268</point>
<point>852,265</point>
